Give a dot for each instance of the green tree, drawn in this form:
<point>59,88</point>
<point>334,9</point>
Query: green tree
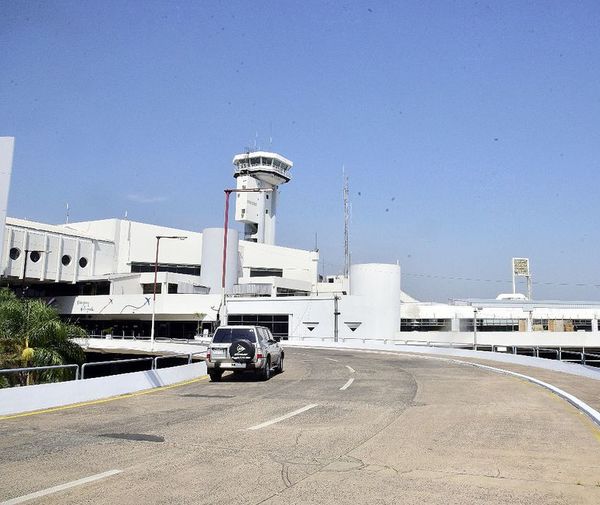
<point>32,334</point>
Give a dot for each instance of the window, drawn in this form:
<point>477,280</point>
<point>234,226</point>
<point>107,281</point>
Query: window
<point>35,256</point>
<point>83,262</point>
<point>228,335</point>
<point>166,267</point>
<point>14,253</point>
<point>66,260</point>
<point>266,272</point>
<point>172,289</point>
<point>431,324</point>
<point>147,289</point>
<point>278,324</point>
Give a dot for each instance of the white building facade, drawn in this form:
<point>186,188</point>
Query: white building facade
<point>101,275</point>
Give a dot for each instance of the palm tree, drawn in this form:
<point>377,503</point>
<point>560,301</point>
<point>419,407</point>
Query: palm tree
<point>32,334</point>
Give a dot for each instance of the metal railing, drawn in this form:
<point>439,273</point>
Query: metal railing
<point>80,370</point>
<point>39,368</point>
<point>189,357</point>
<point>112,362</point>
<point>579,356</point>
<point>191,340</point>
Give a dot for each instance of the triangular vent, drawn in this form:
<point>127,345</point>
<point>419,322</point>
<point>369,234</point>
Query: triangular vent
<point>310,325</point>
<point>353,325</point>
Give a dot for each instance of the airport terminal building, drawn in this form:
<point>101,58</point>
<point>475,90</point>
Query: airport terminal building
<point>102,274</point>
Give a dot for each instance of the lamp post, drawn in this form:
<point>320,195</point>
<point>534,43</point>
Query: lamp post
<point>223,309</point>
<point>475,311</point>
<point>158,237</point>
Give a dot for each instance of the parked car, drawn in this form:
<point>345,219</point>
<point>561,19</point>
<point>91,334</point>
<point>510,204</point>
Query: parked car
<point>244,349</point>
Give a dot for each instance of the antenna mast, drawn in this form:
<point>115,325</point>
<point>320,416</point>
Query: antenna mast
<point>346,221</point>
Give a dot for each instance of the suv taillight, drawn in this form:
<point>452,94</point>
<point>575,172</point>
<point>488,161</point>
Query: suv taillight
<point>207,355</point>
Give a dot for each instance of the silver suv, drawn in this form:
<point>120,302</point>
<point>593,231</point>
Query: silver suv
<point>243,348</point>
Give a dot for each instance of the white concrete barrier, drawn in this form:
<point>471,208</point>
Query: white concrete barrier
<point>45,396</point>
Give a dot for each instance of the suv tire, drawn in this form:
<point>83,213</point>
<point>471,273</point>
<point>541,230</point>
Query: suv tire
<point>215,376</point>
<point>279,367</point>
<point>264,374</point>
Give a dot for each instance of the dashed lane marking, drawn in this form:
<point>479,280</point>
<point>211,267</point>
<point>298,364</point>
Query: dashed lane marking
<point>60,487</point>
<point>347,385</point>
<point>351,369</point>
<point>282,418</point>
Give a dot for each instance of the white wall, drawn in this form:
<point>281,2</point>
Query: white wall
<point>58,242</point>
<point>45,396</point>
<point>180,307</point>
<point>6,156</point>
<point>296,263</point>
<point>136,242</point>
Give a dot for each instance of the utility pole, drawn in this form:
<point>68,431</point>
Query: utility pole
<point>336,314</point>
<point>346,225</point>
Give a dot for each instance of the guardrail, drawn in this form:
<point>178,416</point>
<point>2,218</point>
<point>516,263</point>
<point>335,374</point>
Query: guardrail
<point>192,340</point>
<point>112,362</point>
<point>80,370</point>
<point>38,368</point>
<point>189,357</point>
<point>583,357</point>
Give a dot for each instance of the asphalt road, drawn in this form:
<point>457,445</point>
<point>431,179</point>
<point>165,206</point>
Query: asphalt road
<point>335,427</point>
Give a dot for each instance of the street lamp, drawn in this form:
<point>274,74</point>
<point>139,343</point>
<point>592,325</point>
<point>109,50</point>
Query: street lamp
<point>475,311</point>
<point>223,311</point>
<point>158,237</point>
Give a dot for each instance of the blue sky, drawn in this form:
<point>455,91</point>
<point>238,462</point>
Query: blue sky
<point>469,130</point>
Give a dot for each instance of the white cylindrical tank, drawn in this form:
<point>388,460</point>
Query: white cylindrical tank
<point>211,264</point>
<point>379,285</point>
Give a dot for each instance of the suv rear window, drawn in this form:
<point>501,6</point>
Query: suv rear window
<point>228,335</point>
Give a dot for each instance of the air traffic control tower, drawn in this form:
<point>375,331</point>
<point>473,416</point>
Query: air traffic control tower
<point>264,172</point>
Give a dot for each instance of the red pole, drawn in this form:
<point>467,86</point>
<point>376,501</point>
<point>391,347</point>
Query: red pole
<point>225,227</point>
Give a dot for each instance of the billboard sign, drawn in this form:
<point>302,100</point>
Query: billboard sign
<point>521,267</point>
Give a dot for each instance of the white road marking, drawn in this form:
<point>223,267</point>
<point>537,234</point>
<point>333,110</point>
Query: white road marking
<point>347,385</point>
<point>331,359</point>
<point>282,418</point>
<point>61,487</point>
<point>351,369</point>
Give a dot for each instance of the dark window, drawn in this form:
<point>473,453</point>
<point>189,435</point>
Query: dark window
<point>147,289</point>
<point>172,288</point>
<point>66,260</point>
<point>165,267</point>
<point>266,272</point>
<point>490,324</point>
<point>228,335</point>
<point>34,256</point>
<point>278,324</point>
<point>425,325</point>
<point>582,324</point>
<point>291,292</point>
<point>83,262</point>
<point>14,253</point>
